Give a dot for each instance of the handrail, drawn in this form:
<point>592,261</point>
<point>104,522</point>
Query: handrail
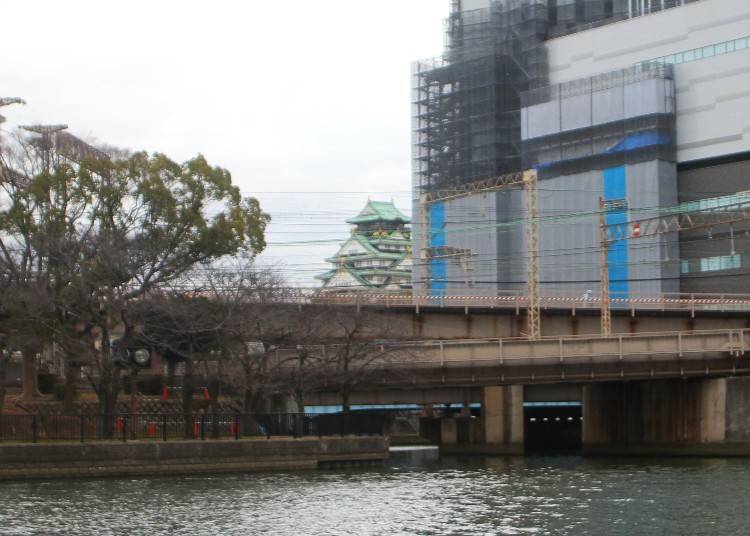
<point>579,337</point>
<point>688,302</point>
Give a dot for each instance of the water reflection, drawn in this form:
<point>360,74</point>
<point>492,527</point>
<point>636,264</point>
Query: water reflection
<point>457,496</point>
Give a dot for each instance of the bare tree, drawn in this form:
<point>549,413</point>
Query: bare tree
<point>183,328</point>
<point>359,344</point>
<point>255,300</point>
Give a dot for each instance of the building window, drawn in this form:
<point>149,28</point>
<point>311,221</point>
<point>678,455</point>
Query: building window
<point>719,49</point>
<point>712,264</point>
<point>717,204</point>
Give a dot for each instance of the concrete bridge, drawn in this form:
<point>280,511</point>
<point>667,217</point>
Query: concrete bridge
<point>670,380</point>
<point>478,317</point>
<point>652,393</point>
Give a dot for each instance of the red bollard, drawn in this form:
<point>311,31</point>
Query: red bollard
<point>118,424</point>
<point>165,393</point>
<point>206,395</point>
<point>232,428</point>
<point>151,430</point>
<point>196,429</point>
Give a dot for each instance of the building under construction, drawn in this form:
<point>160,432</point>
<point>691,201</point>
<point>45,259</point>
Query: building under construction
<point>625,109</point>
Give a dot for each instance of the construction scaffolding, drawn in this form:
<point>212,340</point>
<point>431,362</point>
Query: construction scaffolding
<point>466,105</point>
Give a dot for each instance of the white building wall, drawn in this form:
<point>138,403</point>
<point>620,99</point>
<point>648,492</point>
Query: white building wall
<point>469,5</point>
<point>713,95</point>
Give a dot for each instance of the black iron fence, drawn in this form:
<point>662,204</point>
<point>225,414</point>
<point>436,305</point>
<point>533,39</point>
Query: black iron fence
<point>163,427</point>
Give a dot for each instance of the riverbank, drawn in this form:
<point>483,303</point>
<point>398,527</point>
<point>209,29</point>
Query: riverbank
<point>149,458</point>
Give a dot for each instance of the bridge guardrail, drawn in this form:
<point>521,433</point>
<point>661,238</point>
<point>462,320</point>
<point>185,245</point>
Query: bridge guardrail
<point>517,301</point>
<point>679,344</point>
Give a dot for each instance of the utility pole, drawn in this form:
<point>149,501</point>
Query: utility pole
<point>45,140</point>
<point>530,180</point>
<point>423,272</point>
<point>606,313</point>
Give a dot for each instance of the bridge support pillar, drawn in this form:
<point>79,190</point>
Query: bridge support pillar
<point>502,415</point>
<point>448,431</point>
<point>667,417</point>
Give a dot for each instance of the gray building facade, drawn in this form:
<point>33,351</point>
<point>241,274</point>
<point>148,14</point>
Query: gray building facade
<point>613,102</point>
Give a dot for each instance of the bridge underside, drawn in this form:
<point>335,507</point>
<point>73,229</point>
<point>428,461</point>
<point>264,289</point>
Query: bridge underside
<point>645,417</point>
<point>431,379</point>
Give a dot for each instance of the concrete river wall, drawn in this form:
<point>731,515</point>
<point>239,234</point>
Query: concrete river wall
<point>72,460</point>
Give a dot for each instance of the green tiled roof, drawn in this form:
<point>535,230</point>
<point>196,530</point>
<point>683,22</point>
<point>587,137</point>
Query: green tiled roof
<point>354,273</point>
<point>326,276</point>
<point>379,211</point>
<point>364,257</point>
<point>379,271</point>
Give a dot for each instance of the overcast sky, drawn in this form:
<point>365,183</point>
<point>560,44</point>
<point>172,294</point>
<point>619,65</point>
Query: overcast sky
<point>291,96</point>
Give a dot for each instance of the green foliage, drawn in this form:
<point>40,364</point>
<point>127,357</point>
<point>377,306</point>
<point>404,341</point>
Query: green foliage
<point>83,238</point>
<point>136,223</point>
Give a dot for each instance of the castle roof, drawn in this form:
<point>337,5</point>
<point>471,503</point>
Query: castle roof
<point>376,211</point>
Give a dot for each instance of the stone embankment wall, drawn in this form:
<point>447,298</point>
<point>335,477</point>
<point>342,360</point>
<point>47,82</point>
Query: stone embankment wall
<point>69,460</point>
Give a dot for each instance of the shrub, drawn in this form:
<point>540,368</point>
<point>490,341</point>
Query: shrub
<point>150,385</point>
<point>46,383</point>
<point>58,390</point>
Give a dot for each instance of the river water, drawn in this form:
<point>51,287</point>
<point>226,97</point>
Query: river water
<point>555,495</point>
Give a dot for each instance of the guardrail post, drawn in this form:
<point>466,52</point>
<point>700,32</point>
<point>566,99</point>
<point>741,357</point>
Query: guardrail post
<point>236,427</point>
<point>203,427</point>
<point>164,428</point>
<point>124,428</point>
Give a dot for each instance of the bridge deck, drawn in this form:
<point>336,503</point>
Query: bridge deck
<point>571,358</point>
<point>690,303</point>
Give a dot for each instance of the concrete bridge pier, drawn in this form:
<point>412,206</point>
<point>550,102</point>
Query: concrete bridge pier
<point>677,417</point>
<point>502,416</point>
<point>499,430</point>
